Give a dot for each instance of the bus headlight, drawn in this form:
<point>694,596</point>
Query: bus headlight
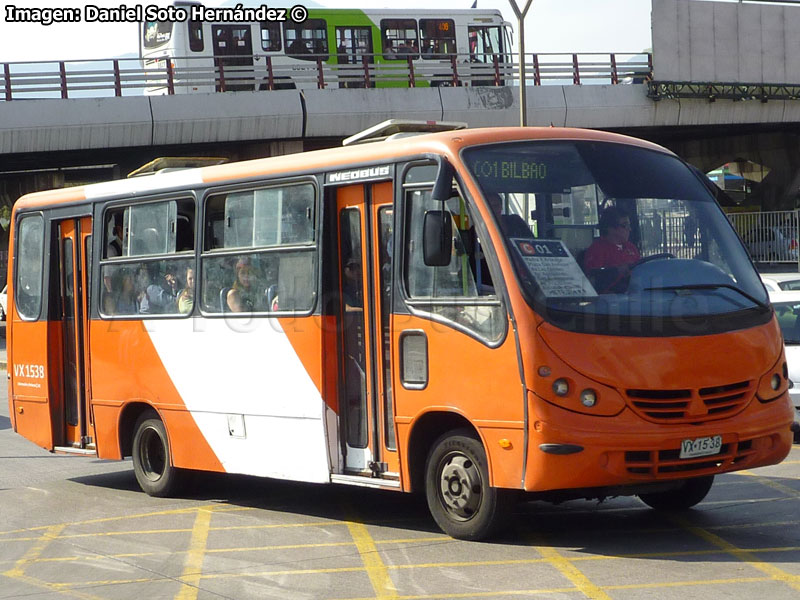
<point>588,398</point>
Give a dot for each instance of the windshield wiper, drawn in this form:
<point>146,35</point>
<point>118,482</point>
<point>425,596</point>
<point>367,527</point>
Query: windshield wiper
<point>711,286</point>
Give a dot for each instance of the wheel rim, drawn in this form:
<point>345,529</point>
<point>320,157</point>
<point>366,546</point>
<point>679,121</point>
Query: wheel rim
<point>152,454</point>
<point>460,486</point>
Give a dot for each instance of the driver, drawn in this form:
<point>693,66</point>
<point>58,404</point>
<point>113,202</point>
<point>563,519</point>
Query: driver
<point>612,254</point>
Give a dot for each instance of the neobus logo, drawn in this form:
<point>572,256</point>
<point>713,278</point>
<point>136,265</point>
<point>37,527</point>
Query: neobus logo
<point>361,174</point>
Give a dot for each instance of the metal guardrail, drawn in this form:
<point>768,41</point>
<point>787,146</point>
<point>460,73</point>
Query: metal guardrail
<point>131,76</point>
<point>712,91</point>
<point>770,237</point>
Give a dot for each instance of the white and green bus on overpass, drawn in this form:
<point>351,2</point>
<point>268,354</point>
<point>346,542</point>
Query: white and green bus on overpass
<point>203,49</point>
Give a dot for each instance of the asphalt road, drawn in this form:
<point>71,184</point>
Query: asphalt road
<point>76,527</point>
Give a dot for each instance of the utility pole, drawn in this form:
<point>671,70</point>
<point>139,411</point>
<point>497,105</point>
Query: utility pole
<point>523,95</point>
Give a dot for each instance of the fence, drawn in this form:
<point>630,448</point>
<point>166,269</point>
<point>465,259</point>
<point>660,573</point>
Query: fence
<point>770,237</point>
<point>118,77</point>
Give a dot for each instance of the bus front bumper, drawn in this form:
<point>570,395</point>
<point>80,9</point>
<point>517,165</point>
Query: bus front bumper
<point>567,450</point>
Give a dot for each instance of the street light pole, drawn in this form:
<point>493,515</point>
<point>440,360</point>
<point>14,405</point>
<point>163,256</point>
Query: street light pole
<point>523,96</point>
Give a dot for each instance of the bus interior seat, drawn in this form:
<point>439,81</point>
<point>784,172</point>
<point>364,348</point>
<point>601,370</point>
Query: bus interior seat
<point>223,300</point>
<point>514,226</point>
<point>272,294</point>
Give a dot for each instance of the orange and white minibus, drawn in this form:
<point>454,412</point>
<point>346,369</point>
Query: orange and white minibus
<point>416,313</point>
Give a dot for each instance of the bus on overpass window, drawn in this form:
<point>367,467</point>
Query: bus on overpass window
<point>355,47</point>
<point>478,315</point>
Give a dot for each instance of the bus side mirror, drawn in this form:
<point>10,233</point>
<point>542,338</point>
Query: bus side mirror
<point>443,186</point>
<point>437,236</point>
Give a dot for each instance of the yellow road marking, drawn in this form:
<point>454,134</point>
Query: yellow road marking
<point>746,557</point>
<point>104,582</point>
<point>193,567</point>
<point>772,484</point>
<point>183,530</point>
<point>571,572</point>
<point>496,594</point>
<point>160,513</point>
<point>54,587</point>
<point>376,569</point>
<point>34,552</point>
<point>486,563</point>
<point>51,533</point>
<point>674,584</point>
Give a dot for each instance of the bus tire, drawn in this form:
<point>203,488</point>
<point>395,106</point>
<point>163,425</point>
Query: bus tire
<point>457,488</point>
<point>152,463</point>
<point>690,493</point>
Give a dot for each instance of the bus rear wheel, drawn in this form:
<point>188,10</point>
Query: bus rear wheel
<point>689,493</point>
<point>152,464</point>
<point>457,488</point>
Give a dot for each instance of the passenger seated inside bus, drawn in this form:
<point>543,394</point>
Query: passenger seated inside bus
<point>608,261</point>
<point>126,301</point>
<point>118,295</point>
<point>512,225</point>
<point>159,296</point>
<point>186,295</point>
<point>242,295</point>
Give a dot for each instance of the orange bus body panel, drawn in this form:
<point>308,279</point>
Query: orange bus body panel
<point>480,383</point>
<point>30,387</point>
<point>682,361</point>
<point>126,368</point>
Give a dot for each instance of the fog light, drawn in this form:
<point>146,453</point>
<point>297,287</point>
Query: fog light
<point>588,398</point>
<point>561,387</point>
<point>775,382</point>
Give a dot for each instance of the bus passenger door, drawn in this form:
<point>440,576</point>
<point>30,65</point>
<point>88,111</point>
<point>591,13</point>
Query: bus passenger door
<point>365,217</point>
<point>233,57</point>
<point>74,268</point>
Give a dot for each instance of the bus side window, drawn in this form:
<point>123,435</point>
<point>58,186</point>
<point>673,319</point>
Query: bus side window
<point>29,268</point>
<point>196,36</point>
<point>259,253</point>
<point>462,291</point>
<point>307,40</point>
<point>270,37</point>
<point>144,266</point>
<point>399,38</point>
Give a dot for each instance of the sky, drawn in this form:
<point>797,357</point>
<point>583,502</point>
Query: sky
<point>551,26</point>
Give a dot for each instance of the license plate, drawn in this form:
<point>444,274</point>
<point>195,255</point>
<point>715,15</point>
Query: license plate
<point>704,446</point>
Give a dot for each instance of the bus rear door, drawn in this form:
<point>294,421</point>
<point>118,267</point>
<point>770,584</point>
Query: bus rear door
<point>365,220</point>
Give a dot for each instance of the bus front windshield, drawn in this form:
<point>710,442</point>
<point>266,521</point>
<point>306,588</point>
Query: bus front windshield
<point>617,239</point>
<point>156,33</point>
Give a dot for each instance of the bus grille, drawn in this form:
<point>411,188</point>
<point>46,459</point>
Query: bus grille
<point>691,406</point>
<point>665,463</point>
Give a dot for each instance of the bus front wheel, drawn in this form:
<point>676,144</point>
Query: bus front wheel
<point>152,464</point>
<point>689,493</point>
<point>457,488</point>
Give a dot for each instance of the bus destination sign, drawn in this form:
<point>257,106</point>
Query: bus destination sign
<point>510,169</point>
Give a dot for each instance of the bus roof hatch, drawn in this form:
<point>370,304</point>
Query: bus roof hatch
<point>394,128</point>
